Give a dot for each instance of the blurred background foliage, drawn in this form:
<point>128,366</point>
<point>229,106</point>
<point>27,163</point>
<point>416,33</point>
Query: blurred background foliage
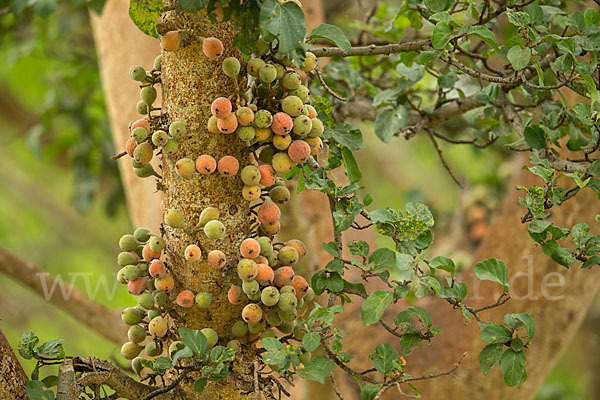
<point>63,205</point>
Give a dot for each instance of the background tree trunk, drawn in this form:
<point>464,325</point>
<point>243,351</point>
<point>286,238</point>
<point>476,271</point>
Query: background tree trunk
<point>12,376</point>
<point>120,44</point>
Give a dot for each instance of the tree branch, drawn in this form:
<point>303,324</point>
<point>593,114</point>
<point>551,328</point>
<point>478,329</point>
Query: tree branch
<point>372,50</point>
<point>76,304</point>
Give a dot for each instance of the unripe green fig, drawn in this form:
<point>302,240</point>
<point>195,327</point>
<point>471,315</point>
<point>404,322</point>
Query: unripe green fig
<point>310,295</point>
<point>239,329</point>
<point>127,257</point>
<point>139,134</point>
<point>287,316</point>
<point>310,62</point>
<point>305,357</point>
<point>287,327</point>
<point>142,234</point>
<point>143,153</point>
<point>266,154</point>
<point>288,255</point>
<point>146,301</point>
<point>262,47</point>
<point>250,175</point>
<point>145,171</point>
<point>153,349</point>
<point>161,298</point>
<point>157,63</point>
<point>273,318</point>
<point>156,244</point>
<point>177,130</point>
<point>132,315</point>
<point>263,119</point>
<point>292,105</point>
<point>231,67</point>
<point>130,350</point>
<point>266,246</point>
<point>247,269</point>
<point>208,214</point>
<point>136,333</point>
<point>148,95</point>
<point>160,138</point>
<point>128,243</point>
<point>153,314</point>
<point>304,94</point>
<point>142,108</point>
<point>203,299</point>
<point>254,65</point>
<point>131,272</point>
<point>267,73</point>
<point>211,336</point>
<point>246,133</point>
<point>136,365</point>
<point>300,304</point>
<point>137,73</point>
<point>256,327</point>
<point>317,128</point>
<point>121,276</point>
<point>279,194</point>
<point>251,289</point>
<point>291,81</point>
<point>287,302</point>
<point>280,71</point>
<point>175,347</point>
<point>269,296</point>
<point>214,229</point>
<point>288,289</point>
<point>282,163</point>
<point>299,332</point>
<point>234,345</point>
<point>302,125</point>
<point>185,168</point>
<point>174,219</point>
<point>170,147</point>
<point>273,259</point>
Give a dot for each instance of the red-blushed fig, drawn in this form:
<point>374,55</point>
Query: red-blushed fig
<point>269,213</point>
<point>157,269</point>
<point>165,283</point>
<point>170,41</point>
<point>206,164</point>
<point>301,286</point>
<point>212,47</point>
<point>193,253</point>
<point>267,175</point>
<point>234,295</point>
<point>185,299</point>
<point>284,276</point>
<point>228,166</point>
<point>217,258</point>
<point>221,107</point>
<point>137,286</point>
<point>265,275</point>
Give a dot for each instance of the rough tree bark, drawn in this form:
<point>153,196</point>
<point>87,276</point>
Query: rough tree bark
<point>190,83</point>
<point>12,377</point>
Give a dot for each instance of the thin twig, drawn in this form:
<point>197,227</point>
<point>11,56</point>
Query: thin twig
<point>442,159</point>
<point>327,88</point>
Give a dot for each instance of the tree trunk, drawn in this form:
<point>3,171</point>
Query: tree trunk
<point>190,83</point>
<point>120,44</point>
<point>12,376</point>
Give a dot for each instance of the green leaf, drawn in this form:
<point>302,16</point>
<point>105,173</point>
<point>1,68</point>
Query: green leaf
<point>382,259</point>
<point>286,21</point>
<point>222,354</point>
<point>408,341</point>
<point>163,363</point>
<point>36,390</point>
<point>145,14</point>
<point>369,391</point>
<point>347,136</point>
<point>51,349</point>
<point>330,247</point>
<point>490,356</point>
<point>199,385</point>
<point>317,369</point>
<point>495,333</point>
<point>333,34</point>
<point>535,137</point>
<point>50,381</point>
<point>525,319</point>
<point>352,170</point>
<point>519,57</point>
<point>385,358</point>
<point>594,169</point>
<point>443,263</point>
<point>374,306</point>
<point>512,365</point>
<point>311,341</point>
<point>96,5</point>
<point>493,270</point>
<point>438,5</point>
<point>422,314</point>
<point>390,122</point>
<point>193,5</point>
<point>561,255</point>
<point>194,339</point>
<point>186,352</point>
<point>484,34</point>
<point>441,36</point>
